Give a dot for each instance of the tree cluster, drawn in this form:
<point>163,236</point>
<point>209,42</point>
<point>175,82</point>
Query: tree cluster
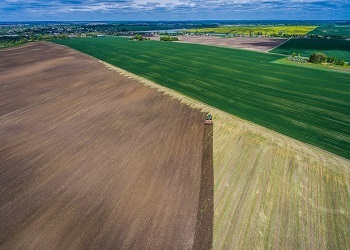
<point>318,57</point>
<point>169,38</point>
<point>298,58</point>
<point>7,41</point>
<point>139,38</point>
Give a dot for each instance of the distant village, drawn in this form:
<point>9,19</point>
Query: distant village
<point>12,34</point>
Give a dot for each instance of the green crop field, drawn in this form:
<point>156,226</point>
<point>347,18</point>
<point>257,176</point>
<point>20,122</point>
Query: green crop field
<point>306,104</point>
<point>336,30</point>
<point>257,30</point>
<point>339,49</point>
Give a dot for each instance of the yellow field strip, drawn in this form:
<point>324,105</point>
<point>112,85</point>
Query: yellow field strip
<point>272,191</point>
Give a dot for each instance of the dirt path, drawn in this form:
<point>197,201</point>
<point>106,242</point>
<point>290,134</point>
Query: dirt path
<point>92,159</point>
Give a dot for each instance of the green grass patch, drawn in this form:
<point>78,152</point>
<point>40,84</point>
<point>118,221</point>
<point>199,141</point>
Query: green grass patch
<point>257,30</point>
<point>306,104</point>
<point>326,67</point>
<point>339,49</point>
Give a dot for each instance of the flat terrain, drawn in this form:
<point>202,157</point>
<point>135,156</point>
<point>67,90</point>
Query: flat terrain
<point>340,49</point>
<point>261,44</point>
<point>306,104</point>
<point>92,159</point>
<point>345,69</point>
<point>271,191</point>
<point>257,30</point>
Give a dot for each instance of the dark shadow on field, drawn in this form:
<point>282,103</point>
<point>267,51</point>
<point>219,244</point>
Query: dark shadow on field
<point>205,215</point>
<point>263,44</point>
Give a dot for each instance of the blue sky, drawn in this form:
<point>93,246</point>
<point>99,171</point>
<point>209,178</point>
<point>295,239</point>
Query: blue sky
<point>148,10</point>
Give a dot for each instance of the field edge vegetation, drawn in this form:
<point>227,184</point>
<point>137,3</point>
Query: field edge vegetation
<point>331,68</point>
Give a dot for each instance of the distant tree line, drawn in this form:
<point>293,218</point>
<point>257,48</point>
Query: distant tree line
<point>169,38</point>
<point>139,38</point>
<point>298,58</point>
<point>318,57</point>
<point>9,41</point>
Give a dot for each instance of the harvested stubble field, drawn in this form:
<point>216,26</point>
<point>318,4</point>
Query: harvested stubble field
<point>271,191</point>
<point>90,158</point>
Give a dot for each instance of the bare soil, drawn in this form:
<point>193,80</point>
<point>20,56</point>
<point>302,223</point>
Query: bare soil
<point>90,158</point>
<point>204,228</point>
<point>261,44</point>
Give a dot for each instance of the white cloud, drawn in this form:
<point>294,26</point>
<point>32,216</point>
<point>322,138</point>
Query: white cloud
<point>218,9</point>
<point>161,2</point>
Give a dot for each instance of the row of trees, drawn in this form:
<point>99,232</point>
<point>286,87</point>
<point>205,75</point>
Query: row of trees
<point>298,58</point>
<point>169,38</point>
<point>6,41</point>
<point>318,57</point>
<point>139,38</point>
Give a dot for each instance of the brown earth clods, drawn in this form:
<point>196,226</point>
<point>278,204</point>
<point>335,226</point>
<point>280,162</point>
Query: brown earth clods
<point>92,159</point>
<point>204,228</point>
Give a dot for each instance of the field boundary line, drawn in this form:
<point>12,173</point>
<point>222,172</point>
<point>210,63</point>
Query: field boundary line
<point>278,46</point>
<point>207,108</point>
<point>266,132</point>
<point>313,29</point>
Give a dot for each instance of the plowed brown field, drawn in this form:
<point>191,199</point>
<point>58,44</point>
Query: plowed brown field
<point>261,44</point>
<point>90,158</point>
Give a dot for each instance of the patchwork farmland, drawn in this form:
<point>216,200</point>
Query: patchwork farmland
<point>271,191</point>
<point>66,121</point>
<point>90,158</point>
<point>257,30</point>
<point>309,105</point>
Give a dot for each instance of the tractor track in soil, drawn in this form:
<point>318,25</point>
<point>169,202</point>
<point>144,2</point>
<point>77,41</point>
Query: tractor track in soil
<point>205,215</point>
